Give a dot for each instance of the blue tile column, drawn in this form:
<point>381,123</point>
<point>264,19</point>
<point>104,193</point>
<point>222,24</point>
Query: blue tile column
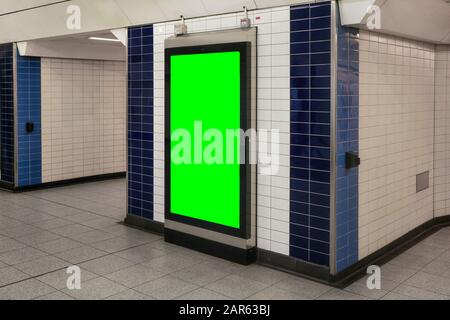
<point>140,121</point>
<point>310,132</point>
<point>7,112</point>
<point>347,139</point>
<point>29,151</point>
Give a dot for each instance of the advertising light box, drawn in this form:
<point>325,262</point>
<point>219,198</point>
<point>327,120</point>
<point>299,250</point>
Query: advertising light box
<point>209,191</point>
<point>205,95</point>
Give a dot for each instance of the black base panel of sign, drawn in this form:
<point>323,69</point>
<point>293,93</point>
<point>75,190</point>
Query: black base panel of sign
<point>217,249</point>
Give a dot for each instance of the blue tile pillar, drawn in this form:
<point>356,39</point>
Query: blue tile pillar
<point>310,133</point>
<point>140,122</point>
<point>29,148</point>
<point>347,140</point>
<point>312,168</point>
<point>7,113</point>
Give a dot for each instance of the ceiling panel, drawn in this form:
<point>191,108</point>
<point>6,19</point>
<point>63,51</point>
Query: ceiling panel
<point>142,11</point>
<point>425,20</point>
<point>172,9</point>
<point>428,20</point>
<point>75,48</point>
<point>272,3</point>
<point>51,21</point>
<point>8,6</point>
<point>221,6</point>
<point>416,19</point>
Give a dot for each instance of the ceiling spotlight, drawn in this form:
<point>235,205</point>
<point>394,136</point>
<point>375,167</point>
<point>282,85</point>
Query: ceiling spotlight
<point>104,39</point>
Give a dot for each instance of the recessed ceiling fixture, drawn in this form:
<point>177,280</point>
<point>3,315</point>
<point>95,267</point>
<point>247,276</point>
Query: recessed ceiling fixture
<point>104,39</point>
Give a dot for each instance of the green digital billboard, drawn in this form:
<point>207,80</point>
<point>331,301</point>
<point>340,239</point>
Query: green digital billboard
<point>205,106</point>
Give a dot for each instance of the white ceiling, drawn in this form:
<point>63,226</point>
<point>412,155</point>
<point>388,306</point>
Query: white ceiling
<point>50,20</point>
<point>76,47</point>
<point>17,5</point>
<point>427,20</point>
<point>84,38</point>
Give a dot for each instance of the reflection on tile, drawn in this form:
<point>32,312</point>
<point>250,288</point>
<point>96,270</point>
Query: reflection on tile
<point>418,293</point>
<point>25,290</point>
<point>430,282</point>
<point>130,295</point>
<point>203,294</point>
<point>10,275</point>
<point>263,274</point>
<point>303,287</point>
<point>236,287</point>
<point>336,294</point>
<point>134,276</point>
<point>42,265</point>
<point>200,275</point>
<point>58,279</point>
<point>166,288</point>
<point>80,254</point>
<point>274,293</point>
<point>96,289</point>
<point>55,296</point>
<point>106,265</point>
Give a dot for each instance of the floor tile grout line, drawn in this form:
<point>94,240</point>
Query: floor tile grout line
<point>60,269</point>
<point>50,231</point>
<point>83,199</point>
<point>62,204</point>
<point>202,286</point>
<point>31,278</point>
<point>72,207</point>
<point>134,288</point>
<point>77,186</point>
<point>323,294</point>
<point>130,289</point>
<point>27,224</point>
<point>76,196</point>
<point>422,270</point>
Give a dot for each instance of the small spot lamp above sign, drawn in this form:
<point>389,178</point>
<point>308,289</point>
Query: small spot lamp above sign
<point>245,21</point>
<point>180,29</point>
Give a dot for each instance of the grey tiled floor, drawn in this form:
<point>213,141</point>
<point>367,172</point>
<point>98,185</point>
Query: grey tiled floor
<point>44,232</point>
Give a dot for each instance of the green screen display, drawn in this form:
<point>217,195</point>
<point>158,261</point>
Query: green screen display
<point>205,89</point>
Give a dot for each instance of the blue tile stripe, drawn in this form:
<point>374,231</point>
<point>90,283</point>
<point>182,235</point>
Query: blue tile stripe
<point>310,132</point>
<point>29,167</point>
<point>347,117</point>
<point>7,112</point>
<point>140,121</point>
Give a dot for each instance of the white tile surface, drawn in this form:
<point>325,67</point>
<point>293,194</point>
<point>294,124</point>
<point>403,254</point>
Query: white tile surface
<point>396,137</point>
<point>83,118</point>
<point>442,133</point>
<point>273,95</point>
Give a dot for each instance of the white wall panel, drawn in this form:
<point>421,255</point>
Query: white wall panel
<point>442,132</point>
<point>273,113</point>
<point>396,137</point>
<point>83,118</point>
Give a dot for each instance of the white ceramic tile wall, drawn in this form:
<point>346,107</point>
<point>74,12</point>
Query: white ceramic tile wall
<point>442,133</point>
<point>396,137</point>
<point>273,112</point>
<point>83,118</point>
